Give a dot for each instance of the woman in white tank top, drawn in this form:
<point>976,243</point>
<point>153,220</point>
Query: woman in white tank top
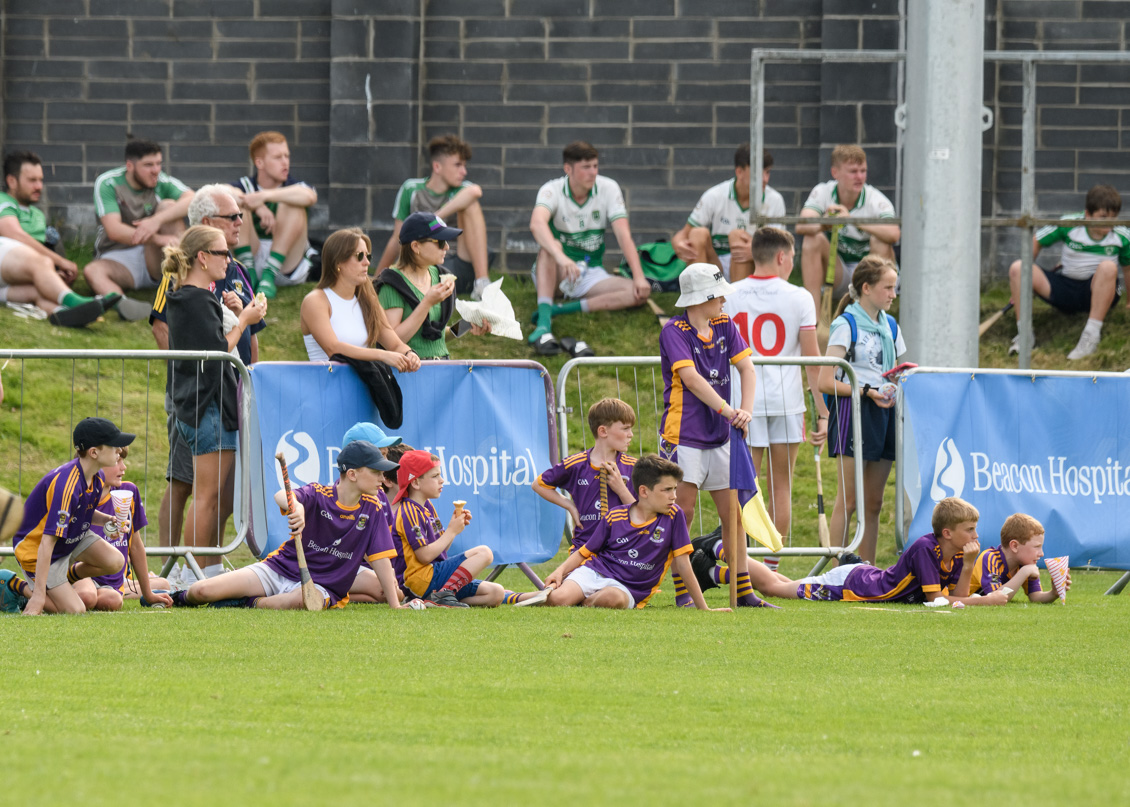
<point>343,315</point>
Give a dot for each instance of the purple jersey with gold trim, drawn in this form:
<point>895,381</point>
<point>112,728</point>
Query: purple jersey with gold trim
<point>336,540</point>
<point>120,539</point>
<point>991,572</point>
<point>577,476</point>
<point>687,421</point>
<point>918,571</point>
<point>637,555</point>
<point>416,526</point>
<point>61,504</point>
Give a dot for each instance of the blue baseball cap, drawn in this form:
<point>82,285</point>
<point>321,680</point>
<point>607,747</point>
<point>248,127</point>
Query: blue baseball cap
<point>363,454</point>
<point>372,433</point>
<point>420,226</point>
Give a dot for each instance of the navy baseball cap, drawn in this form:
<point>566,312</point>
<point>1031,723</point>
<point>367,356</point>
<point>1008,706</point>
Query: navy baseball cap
<point>421,226</point>
<point>372,433</point>
<point>91,432</point>
<point>363,454</point>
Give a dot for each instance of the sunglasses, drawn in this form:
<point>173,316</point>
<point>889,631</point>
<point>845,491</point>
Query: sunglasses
<point>223,252</point>
<point>363,256</point>
<point>231,217</point>
<point>438,243</point>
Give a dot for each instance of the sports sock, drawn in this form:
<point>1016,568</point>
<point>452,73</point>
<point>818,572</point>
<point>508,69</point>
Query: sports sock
<point>566,308</point>
<point>510,597</point>
<point>682,596</point>
<point>719,552</point>
<point>245,257</point>
<point>20,587</point>
<point>721,575</point>
<point>274,264</point>
<point>68,299</point>
<point>253,602</point>
<point>1093,327</point>
<point>772,562</point>
<point>72,574</point>
<point>180,600</point>
<point>459,578</point>
<point>545,313</point>
<point>745,586</point>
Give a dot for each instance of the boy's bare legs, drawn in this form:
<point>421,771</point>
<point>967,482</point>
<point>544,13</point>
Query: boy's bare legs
<point>703,245</point>
<point>844,507</point>
<point>814,265</point>
<point>240,583</point>
<point>778,479</point>
<point>488,596</point>
<point>874,481</point>
<point>608,598</point>
<point>741,241</point>
<point>472,245</point>
<point>569,594</point>
<point>202,526</point>
<point>771,583</point>
<point>289,236</point>
<point>612,294</point>
<point>107,599</point>
<point>367,587</point>
<point>65,600</point>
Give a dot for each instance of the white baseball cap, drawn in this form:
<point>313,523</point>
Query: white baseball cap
<point>700,283</point>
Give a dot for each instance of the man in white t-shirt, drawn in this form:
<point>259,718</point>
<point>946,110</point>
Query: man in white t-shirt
<point>846,194</point>
<point>777,318</point>
<point>569,222</point>
<point>717,230</point>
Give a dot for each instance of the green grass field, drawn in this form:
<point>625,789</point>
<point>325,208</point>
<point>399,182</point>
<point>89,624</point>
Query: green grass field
<point>814,704</point>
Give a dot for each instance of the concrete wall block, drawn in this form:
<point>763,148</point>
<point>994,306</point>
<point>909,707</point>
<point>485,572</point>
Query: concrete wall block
<point>633,8</point>
<point>549,93</point>
<point>86,28</point>
<point>130,8</point>
<point>466,8</point>
<point>80,111</point>
<point>43,68</point>
<point>162,49</point>
<point>212,9</point>
<point>395,39</point>
<point>134,90</point>
<point>171,28</point>
<point>211,91</point>
<point>41,8</point>
<point>589,28</point>
<point>586,113</point>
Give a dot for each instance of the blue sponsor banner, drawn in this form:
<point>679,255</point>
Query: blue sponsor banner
<point>488,424</point>
<point>1056,448</point>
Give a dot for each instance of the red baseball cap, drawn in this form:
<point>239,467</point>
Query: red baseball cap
<point>413,465</point>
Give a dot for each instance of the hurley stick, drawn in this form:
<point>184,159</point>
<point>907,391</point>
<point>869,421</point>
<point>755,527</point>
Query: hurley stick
<point>311,599</point>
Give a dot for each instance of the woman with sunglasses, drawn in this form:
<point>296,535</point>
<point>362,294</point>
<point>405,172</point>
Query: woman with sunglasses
<point>204,393</point>
<point>342,314</point>
<point>419,300</point>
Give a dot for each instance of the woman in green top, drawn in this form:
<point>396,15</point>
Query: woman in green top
<point>417,299</point>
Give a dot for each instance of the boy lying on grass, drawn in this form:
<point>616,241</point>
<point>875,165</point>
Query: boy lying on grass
<point>1012,565</point>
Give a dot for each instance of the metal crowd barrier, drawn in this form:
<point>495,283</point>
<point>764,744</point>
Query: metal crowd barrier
<point>629,390</point>
<point>172,553</point>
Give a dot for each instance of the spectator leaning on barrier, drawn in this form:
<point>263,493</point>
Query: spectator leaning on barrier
<point>30,273</point>
<point>1086,278</point>
<point>140,211</point>
<point>273,238</point>
<point>448,195</point>
<point>717,230</point>
<point>204,393</point>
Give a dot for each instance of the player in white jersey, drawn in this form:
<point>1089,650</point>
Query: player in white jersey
<point>777,318</point>
<point>1086,278</point>
<point>570,234</point>
<point>717,230</point>
<point>847,194</point>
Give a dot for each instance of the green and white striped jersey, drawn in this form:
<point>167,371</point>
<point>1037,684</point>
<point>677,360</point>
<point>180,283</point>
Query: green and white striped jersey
<point>854,244</point>
<point>718,209</point>
<point>580,227</point>
<point>1082,254</point>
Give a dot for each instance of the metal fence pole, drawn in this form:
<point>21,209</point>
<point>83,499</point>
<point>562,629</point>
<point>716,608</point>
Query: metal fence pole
<point>1027,209</point>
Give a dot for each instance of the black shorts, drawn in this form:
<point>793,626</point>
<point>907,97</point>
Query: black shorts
<point>1069,295</point>
<point>876,423</point>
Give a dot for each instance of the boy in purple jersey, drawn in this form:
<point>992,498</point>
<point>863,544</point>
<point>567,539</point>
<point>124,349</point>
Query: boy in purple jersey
<point>345,528</point>
<point>697,349</point>
<point>54,545</point>
<point>111,589</point>
<point>580,475</point>
<point>931,567</point>
<point>625,558</point>
<point>1012,565</point>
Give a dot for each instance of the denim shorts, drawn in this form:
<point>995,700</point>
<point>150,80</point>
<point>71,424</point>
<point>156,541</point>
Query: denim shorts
<point>210,435</point>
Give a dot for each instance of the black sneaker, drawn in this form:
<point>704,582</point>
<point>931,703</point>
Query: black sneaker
<point>445,599</point>
<point>706,542</point>
<point>146,604</point>
<point>76,316</point>
<point>702,563</point>
<point>850,559</point>
<point>234,602</point>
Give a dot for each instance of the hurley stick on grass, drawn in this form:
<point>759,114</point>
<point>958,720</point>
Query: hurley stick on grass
<point>992,320</point>
<point>311,599</point>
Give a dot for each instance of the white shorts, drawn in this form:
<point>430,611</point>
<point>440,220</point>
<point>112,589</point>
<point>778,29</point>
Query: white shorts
<point>591,582</point>
<point>576,289</point>
<point>274,583</point>
<point>835,577</point>
<point>849,268</point>
<point>133,259</point>
<point>294,278</point>
<point>725,261</point>
<point>705,468</point>
<point>6,245</point>
<point>57,574</point>
<point>766,430</point>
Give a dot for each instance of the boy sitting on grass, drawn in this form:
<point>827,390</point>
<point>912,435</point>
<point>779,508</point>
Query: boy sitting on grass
<point>628,553</point>
<point>1012,565</point>
<point>426,569</point>
<point>54,545</point>
<point>367,588</point>
<point>596,480</point>
<point>931,567</point>
<point>346,528</point>
<point>112,589</point>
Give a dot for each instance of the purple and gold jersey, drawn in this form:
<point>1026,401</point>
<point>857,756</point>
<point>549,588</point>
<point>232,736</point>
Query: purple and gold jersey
<point>416,526</point>
<point>687,421</point>
<point>918,571</point>
<point>120,539</point>
<point>991,572</point>
<point>637,555</point>
<point>62,505</point>
<point>581,480</point>
<point>337,540</point>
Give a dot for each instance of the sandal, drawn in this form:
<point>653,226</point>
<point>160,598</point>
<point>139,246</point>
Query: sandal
<point>576,348</point>
<point>547,345</point>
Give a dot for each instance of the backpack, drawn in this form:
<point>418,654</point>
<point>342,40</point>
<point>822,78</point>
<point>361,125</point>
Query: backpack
<point>849,356</point>
<point>661,266</point>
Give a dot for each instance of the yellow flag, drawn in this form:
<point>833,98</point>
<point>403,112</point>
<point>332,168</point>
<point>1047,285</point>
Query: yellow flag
<point>758,525</point>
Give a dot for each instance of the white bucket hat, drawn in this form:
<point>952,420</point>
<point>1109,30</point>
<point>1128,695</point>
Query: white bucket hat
<point>700,283</point>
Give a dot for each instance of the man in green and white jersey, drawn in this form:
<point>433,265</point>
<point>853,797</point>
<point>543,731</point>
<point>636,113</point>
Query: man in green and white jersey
<point>140,211</point>
<point>1086,278</point>
<point>447,194</point>
<point>31,274</point>
<point>569,221</point>
<point>846,194</point>
<point>717,230</point>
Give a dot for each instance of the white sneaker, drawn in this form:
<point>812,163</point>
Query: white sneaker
<point>480,284</point>
<point>1088,343</point>
<point>1014,345</point>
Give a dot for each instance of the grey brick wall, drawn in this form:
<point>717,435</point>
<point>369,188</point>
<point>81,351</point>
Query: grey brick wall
<point>660,86</point>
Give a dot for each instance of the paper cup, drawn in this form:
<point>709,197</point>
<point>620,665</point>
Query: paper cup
<point>123,504</point>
